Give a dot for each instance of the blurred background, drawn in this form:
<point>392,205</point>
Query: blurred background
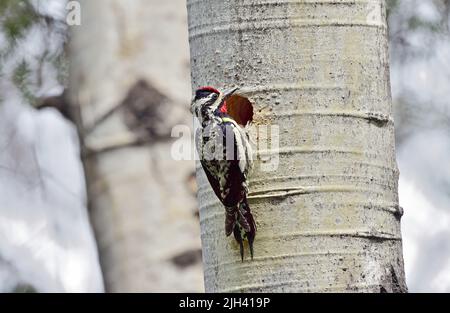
<point>90,200</point>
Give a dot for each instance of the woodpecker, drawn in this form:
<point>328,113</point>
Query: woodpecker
<point>226,157</point>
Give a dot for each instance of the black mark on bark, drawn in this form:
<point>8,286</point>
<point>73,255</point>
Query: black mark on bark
<point>187,258</point>
<point>145,110</point>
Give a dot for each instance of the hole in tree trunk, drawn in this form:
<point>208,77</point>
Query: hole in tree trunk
<point>240,109</point>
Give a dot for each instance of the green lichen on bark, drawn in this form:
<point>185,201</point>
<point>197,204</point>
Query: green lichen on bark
<point>19,19</point>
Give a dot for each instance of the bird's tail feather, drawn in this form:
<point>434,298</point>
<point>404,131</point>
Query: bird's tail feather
<point>239,221</point>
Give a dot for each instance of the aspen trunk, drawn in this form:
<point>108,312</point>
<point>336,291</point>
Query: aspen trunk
<point>328,217</point>
<point>130,81</point>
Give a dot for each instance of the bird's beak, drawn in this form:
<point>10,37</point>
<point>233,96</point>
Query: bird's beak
<point>229,92</point>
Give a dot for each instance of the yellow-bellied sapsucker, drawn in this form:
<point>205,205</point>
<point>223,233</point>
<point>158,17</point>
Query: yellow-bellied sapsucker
<point>226,157</point>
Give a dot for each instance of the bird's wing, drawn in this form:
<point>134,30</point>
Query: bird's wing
<point>212,178</point>
<point>209,165</point>
<point>241,144</point>
<point>228,165</point>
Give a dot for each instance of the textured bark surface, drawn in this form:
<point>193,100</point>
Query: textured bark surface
<point>130,78</point>
<point>328,218</point>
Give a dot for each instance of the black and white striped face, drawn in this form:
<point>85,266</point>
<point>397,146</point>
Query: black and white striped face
<point>206,101</point>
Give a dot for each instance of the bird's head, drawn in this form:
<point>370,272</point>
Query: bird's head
<point>208,100</point>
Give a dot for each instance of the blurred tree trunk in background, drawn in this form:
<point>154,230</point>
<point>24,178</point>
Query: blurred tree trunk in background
<point>328,217</point>
<point>129,77</point>
<point>46,240</point>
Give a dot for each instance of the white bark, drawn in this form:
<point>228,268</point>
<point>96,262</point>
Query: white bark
<point>328,218</point>
<point>46,241</point>
<point>142,205</point>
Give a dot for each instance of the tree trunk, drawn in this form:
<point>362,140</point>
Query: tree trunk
<point>130,80</point>
<point>328,217</point>
<point>46,240</point>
